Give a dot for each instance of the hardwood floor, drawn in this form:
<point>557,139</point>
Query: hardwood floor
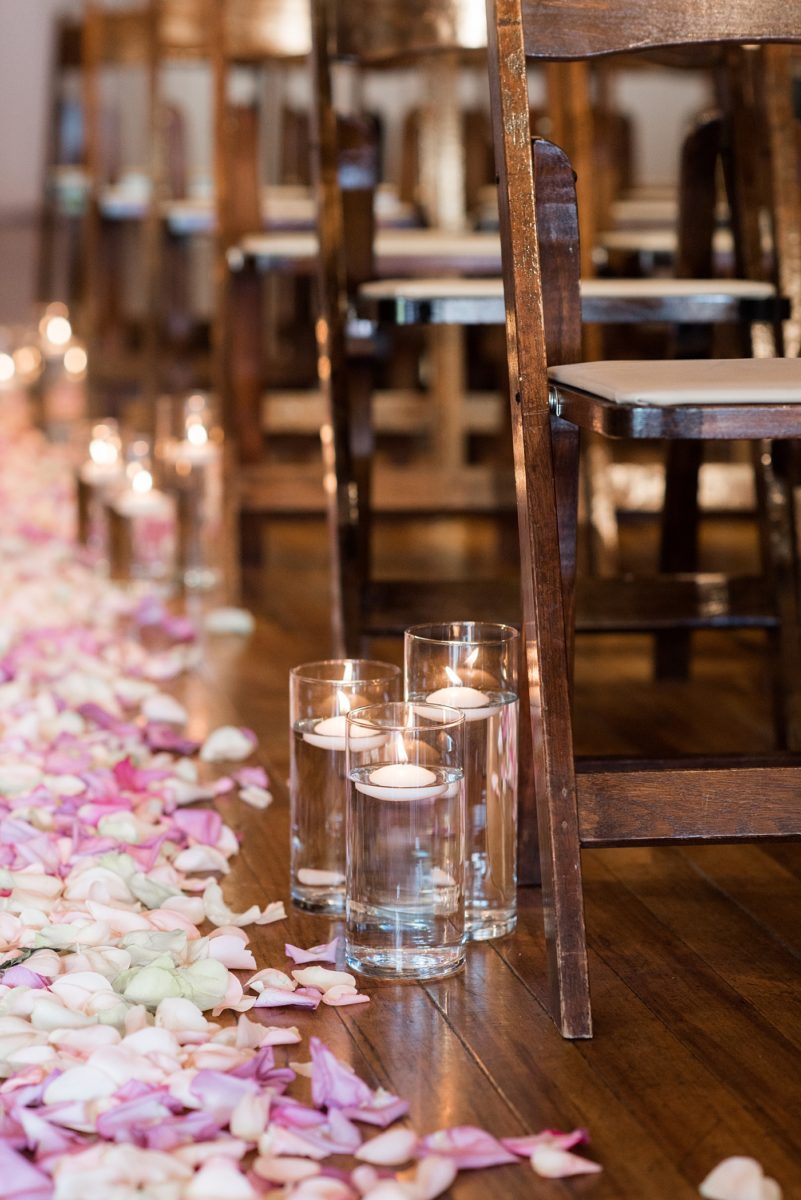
<point>695,954</point>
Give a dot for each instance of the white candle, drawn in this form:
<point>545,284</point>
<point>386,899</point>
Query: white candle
<point>152,503</point>
<point>331,734</point>
<point>313,877</point>
<point>477,706</point>
<point>192,453</point>
<point>402,781</point>
<point>98,473</point>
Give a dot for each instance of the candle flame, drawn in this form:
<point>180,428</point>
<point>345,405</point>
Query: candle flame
<point>104,448</point>
<point>75,360</point>
<point>343,702</point>
<point>196,433</point>
<point>6,368</point>
<point>472,657</point>
<point>347,671</point>
<point>453,677</point>
<point>27,360</point>
<point>400,749</point>
<point>58,331</point>
<point>142,481</point>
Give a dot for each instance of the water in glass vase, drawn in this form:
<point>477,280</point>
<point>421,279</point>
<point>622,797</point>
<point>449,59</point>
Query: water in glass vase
<point>318,791</point>
<point>490,771</point>
<point>405,899</point>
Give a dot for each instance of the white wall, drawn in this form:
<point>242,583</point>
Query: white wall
<point>660,102</point>
<point>24,67</point>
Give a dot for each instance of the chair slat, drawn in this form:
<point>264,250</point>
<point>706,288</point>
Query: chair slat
<point>567,29</point>
<point>383,30</point>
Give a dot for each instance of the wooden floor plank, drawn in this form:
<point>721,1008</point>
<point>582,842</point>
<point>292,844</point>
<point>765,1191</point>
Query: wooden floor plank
<point>688,1043</point>
<point>547,1080</point>
<point>403,1025</point>
<point>644,1059</point>
<point>734,1043</point>
<point>763,884</point>
<point>742,951</point>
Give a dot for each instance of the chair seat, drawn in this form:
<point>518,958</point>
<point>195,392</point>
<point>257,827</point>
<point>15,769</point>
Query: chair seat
<point>462,301</point>
<point>427,289</point>
<point>397,251</point>
<point>675,382</point>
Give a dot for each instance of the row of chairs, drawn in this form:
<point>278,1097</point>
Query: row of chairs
<point>447,278</point>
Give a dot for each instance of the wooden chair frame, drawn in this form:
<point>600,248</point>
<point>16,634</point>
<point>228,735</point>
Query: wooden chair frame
<point>611,802</point>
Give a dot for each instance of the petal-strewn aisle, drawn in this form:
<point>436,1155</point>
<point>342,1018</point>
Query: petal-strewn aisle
<point>117,945</point>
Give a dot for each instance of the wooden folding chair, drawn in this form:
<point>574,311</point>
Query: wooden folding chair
<point>554,397</point>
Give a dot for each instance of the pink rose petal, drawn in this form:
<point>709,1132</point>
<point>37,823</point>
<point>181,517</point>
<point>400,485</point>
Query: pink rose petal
<point>324,953</point>
<point>341,995</point>
<point>434,1176</point>
<point>389,1149</point>
<point>552,1163</point>
<point>468,1146</point>
<point>285,1170</point>
<point>323,978</point>
<point>334,1083</point>
<point>272,997</point>
<point>525,1146</point>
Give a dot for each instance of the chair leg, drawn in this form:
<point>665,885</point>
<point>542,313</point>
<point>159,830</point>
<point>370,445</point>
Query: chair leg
<point>678,551</point>
<point>565,440</point>
<point>603,547</point>
<point>347,458</point>
<point>776,470</point>
<point>548,671</point>
<point>528,841</point>
<point>241,352</point>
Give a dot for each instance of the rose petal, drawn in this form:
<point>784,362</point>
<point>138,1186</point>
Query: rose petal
<point>285,1170</point>
<point>323,953</point>
<point>739,1178</point>
<point>228,744</point>
<point>525,1146</point>
<point>164,709</point>
<point>219,1177</point>
<point>342,995</point>
<point>229,620</point>
<point>271,997</point>
<point>334,1083</point>
<point>389,1149</point>
<point>322,978</point>
<point>468,1146</point>
<point>552,1163</point>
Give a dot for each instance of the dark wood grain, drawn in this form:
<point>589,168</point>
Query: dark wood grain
<point>694,984</point>
<point>566,29</point>
<point>547,644</point>
<point>683,801</point>
<point>660,800</point>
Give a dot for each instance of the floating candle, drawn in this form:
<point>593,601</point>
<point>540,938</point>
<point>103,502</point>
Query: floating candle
<point>332,734</point>
<point>314,877</point>
<point>141,499</point>
<point>402,781</point>
<point>477,706</point>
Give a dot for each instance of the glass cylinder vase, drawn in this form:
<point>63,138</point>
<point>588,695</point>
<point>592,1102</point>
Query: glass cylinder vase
<point>406,824</point>
<point>321,694</point>
<point>472,666</point>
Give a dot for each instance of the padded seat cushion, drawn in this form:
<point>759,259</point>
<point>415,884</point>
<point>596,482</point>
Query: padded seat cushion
<point>620,289</point>
<point>687,381</point>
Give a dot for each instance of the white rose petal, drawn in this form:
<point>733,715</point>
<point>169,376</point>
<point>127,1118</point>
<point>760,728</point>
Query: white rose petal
<point>230,620</point>
<point>227,744</point>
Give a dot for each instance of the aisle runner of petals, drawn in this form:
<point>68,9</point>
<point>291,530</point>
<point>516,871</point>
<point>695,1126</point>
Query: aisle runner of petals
<point>115,1082</point>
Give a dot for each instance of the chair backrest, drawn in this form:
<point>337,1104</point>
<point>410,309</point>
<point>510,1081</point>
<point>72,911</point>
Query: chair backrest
<point>253,30</point>
<point>567,29</point>
<point>381,31</point>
